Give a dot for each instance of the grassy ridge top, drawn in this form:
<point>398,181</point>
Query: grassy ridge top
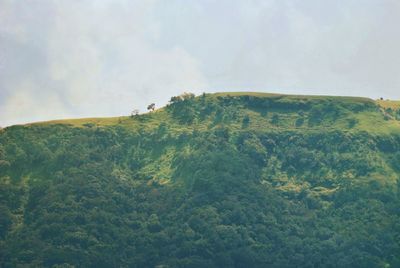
<point>264,111</point>
<point>293,97</point>
<point>395,105</point>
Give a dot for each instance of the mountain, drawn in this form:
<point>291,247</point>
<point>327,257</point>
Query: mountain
<point>217,180</point>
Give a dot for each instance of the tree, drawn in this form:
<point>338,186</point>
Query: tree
<point>183,97</point>
<point>299,122</point>
<point>246,121</point>
<point>135,112</point>
<point>275,119</point>
<point>5,220</point>
<point>352,122</point>
<point>151,107</point>
<point>187,96</point>
<point>175,99</point>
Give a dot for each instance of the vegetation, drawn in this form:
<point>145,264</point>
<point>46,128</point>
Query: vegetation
<point>219,180</point>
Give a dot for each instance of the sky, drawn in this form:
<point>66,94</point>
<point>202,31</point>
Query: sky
<point>68,58</point>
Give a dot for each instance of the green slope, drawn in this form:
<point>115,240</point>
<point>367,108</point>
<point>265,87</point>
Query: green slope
<point>342,113</point>
<point>221,180</point>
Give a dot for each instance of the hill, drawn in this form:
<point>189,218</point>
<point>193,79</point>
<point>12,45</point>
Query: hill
<point>218,180</point>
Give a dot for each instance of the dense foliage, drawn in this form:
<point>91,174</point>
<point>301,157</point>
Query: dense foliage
<point>212,181</point>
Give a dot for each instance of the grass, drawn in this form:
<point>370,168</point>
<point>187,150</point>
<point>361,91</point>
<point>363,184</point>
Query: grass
<point>369,120</point>
<point>373,122</point>
<point>295,97</point>
<point>394,105</point>
<point>80,122</point>
<point>237,94</point>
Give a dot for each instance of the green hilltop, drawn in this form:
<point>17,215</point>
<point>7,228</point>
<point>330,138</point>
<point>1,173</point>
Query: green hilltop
<point>236,179</point>
<point>344,113</point>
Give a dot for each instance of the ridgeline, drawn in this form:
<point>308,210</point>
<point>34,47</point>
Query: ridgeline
<point>217,180</point>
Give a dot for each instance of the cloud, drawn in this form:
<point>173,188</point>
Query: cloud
<point>306,47</point>
<point>72,58</point>
<point>87,58</point>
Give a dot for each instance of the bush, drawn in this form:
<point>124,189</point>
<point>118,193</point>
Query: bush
<point>275,119</point>
<point>299,122</point>
<point>246,121</point>
<point>352,122</point>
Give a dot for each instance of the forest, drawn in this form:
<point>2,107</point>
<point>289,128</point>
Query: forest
<point>217,180</point>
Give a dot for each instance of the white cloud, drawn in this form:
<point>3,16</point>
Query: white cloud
<point>97,59</point>
<point>103,57</point>
<point>24,104</point>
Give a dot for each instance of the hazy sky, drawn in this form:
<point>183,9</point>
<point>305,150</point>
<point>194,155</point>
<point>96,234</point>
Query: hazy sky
<point>66,58</point>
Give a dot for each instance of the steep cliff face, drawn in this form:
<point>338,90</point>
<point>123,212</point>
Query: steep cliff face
<point>219,180</point>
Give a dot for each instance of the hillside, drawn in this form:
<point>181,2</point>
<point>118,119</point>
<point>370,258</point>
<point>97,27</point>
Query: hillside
<point>218,180</point>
